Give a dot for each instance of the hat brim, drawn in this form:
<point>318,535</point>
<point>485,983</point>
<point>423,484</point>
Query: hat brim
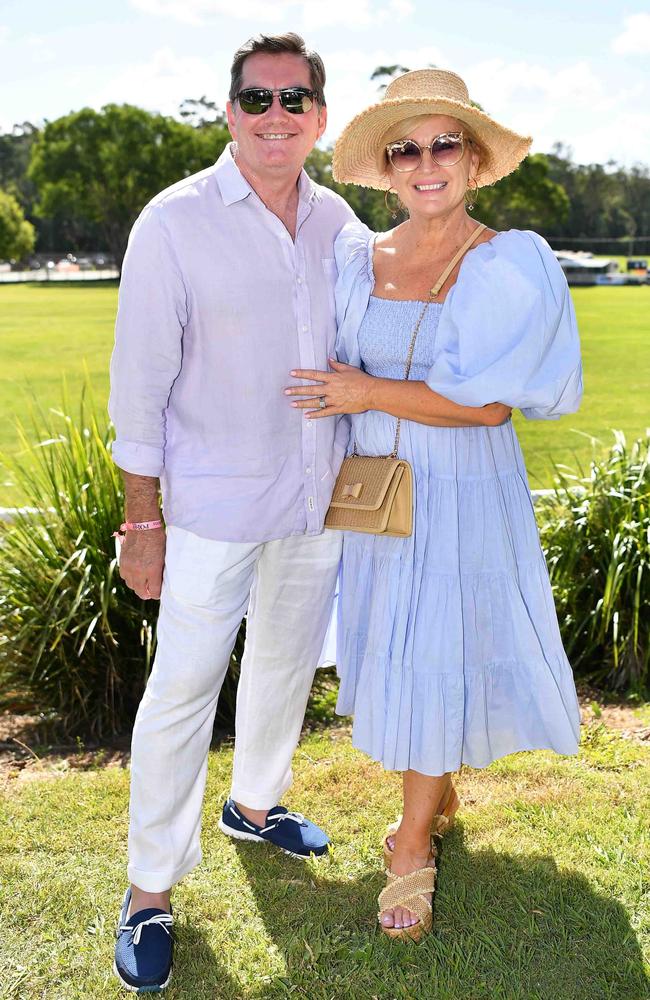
<point>358,156</point>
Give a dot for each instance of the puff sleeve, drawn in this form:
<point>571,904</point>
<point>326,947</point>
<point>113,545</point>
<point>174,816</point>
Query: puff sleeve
<point>508,331</point>
<point>354,285</point>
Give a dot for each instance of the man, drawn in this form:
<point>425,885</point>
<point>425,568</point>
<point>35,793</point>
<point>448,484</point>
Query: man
<point>227,285</point>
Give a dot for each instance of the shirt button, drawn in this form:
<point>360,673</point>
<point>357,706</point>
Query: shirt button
<point>299,280</point>
<point>308,471</point>
<point>304,329</point>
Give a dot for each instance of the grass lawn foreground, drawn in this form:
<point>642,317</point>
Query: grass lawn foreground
<point>49,330</point>
<point>543,893</point>
<point>543,885</point>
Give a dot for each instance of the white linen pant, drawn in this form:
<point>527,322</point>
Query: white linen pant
<point>287,586</point>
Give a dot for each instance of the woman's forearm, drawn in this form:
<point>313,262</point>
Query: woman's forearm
<point>416,401</point>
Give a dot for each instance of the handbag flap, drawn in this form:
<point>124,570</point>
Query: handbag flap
<point>363,482</point>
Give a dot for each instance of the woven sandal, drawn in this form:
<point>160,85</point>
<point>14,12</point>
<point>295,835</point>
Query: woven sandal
<point>440,823</point>
<point>409,891</point>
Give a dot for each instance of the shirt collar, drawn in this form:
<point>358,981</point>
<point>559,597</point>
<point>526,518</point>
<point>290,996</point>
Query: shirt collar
<point>234,186</point>
<point>307,190</point>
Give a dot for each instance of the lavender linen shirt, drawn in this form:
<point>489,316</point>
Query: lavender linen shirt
<point>217,304</point>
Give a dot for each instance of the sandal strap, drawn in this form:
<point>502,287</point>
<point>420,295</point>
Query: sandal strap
<point>409,891</point>
<point>392,830</point>
<point>417,905</point>
<point>440,824</point>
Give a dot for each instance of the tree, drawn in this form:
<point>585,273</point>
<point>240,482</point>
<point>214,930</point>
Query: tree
<point>525,199</point>
<point>635,183</point>
<point>104,166</point>
<point>367,204</point>
<point>15,148</point>
<point>202,113</point>
<point>605,200</point>
<point>390,71</point>
<point>16,234</point>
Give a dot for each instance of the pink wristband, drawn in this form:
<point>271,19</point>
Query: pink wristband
<point>136,526</point>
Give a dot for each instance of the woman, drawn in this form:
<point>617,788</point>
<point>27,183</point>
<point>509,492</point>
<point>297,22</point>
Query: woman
<point>448,644</point>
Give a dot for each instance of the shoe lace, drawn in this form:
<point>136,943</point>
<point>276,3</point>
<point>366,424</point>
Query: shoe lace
<point>277,818</point>
<point>163,920</point>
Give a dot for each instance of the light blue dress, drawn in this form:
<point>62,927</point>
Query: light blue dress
<point>448,646</point>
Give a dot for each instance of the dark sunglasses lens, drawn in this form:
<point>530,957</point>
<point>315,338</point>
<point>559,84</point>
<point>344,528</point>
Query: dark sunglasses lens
<point>255,102</point>
<point>296,102</point>
<point>406,156</point>
<point>447,150</point>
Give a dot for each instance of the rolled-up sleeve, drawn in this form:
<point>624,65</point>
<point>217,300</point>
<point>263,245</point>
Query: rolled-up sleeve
<point>151,317</point>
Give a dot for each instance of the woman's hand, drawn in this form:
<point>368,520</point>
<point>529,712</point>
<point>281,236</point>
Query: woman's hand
<point>346,389</point>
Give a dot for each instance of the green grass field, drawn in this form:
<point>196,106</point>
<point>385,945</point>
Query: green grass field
<point>615,333</point>
<point>50,330</point>
<point>542,885</point>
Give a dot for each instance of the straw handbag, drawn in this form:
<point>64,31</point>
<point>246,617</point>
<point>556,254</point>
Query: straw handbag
<point>374,493</point>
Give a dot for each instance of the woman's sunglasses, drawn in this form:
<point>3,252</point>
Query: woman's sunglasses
<point>257,100</point>
<point>446,149</point>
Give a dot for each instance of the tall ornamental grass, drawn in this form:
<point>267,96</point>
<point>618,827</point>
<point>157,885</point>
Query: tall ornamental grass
<point>75,642</point>
<point>595,531</point>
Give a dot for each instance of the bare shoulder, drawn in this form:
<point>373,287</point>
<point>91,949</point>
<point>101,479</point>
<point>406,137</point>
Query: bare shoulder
<point>486,236</point>
<point>388,244</point>
<point>385,249</point>
<point>387,240</point>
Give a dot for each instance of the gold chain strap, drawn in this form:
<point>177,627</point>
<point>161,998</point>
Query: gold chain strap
<point>407,372</point>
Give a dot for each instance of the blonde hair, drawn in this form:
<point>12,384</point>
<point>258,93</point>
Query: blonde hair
<point>399,130</point>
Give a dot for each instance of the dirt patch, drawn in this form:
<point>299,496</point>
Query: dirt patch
<point>28,750</point>
<point>629,718</point>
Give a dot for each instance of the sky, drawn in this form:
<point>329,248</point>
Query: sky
<point>569,71</point>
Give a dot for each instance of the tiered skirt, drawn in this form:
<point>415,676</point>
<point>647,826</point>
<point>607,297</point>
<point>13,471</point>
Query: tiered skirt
<point>448,646</point>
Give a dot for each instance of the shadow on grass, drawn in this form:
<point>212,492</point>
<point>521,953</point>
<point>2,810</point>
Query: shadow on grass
<point>506,926</point>
<point>195,963</point>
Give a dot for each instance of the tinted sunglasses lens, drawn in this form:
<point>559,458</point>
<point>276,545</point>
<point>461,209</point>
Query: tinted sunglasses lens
<point>255,102</point>
<point>447,150</point>
<point>296,102</point>
<point>405,156</point>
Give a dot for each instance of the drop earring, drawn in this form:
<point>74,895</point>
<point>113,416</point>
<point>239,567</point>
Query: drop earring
<point>394,208</point>
<point>472,192</point>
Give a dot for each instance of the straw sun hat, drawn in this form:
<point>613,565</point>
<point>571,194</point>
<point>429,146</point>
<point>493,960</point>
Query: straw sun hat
<point>359,156</point>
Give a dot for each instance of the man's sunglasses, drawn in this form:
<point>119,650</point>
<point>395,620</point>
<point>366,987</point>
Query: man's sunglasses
<point>446,149</point>
<point>257,100</point>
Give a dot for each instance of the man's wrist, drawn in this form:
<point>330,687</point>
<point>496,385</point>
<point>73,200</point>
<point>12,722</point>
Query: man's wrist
<point>141,498</point>
<point>134,514</point>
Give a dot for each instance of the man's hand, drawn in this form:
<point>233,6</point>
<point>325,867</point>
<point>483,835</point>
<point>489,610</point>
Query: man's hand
<point>142,557</point>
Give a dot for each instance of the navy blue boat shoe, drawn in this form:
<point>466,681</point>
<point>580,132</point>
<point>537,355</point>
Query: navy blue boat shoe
<point>144,948</point>
<point>289,831</point>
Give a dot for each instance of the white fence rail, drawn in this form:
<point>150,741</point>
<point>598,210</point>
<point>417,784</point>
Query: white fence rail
<point>45,274</point>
